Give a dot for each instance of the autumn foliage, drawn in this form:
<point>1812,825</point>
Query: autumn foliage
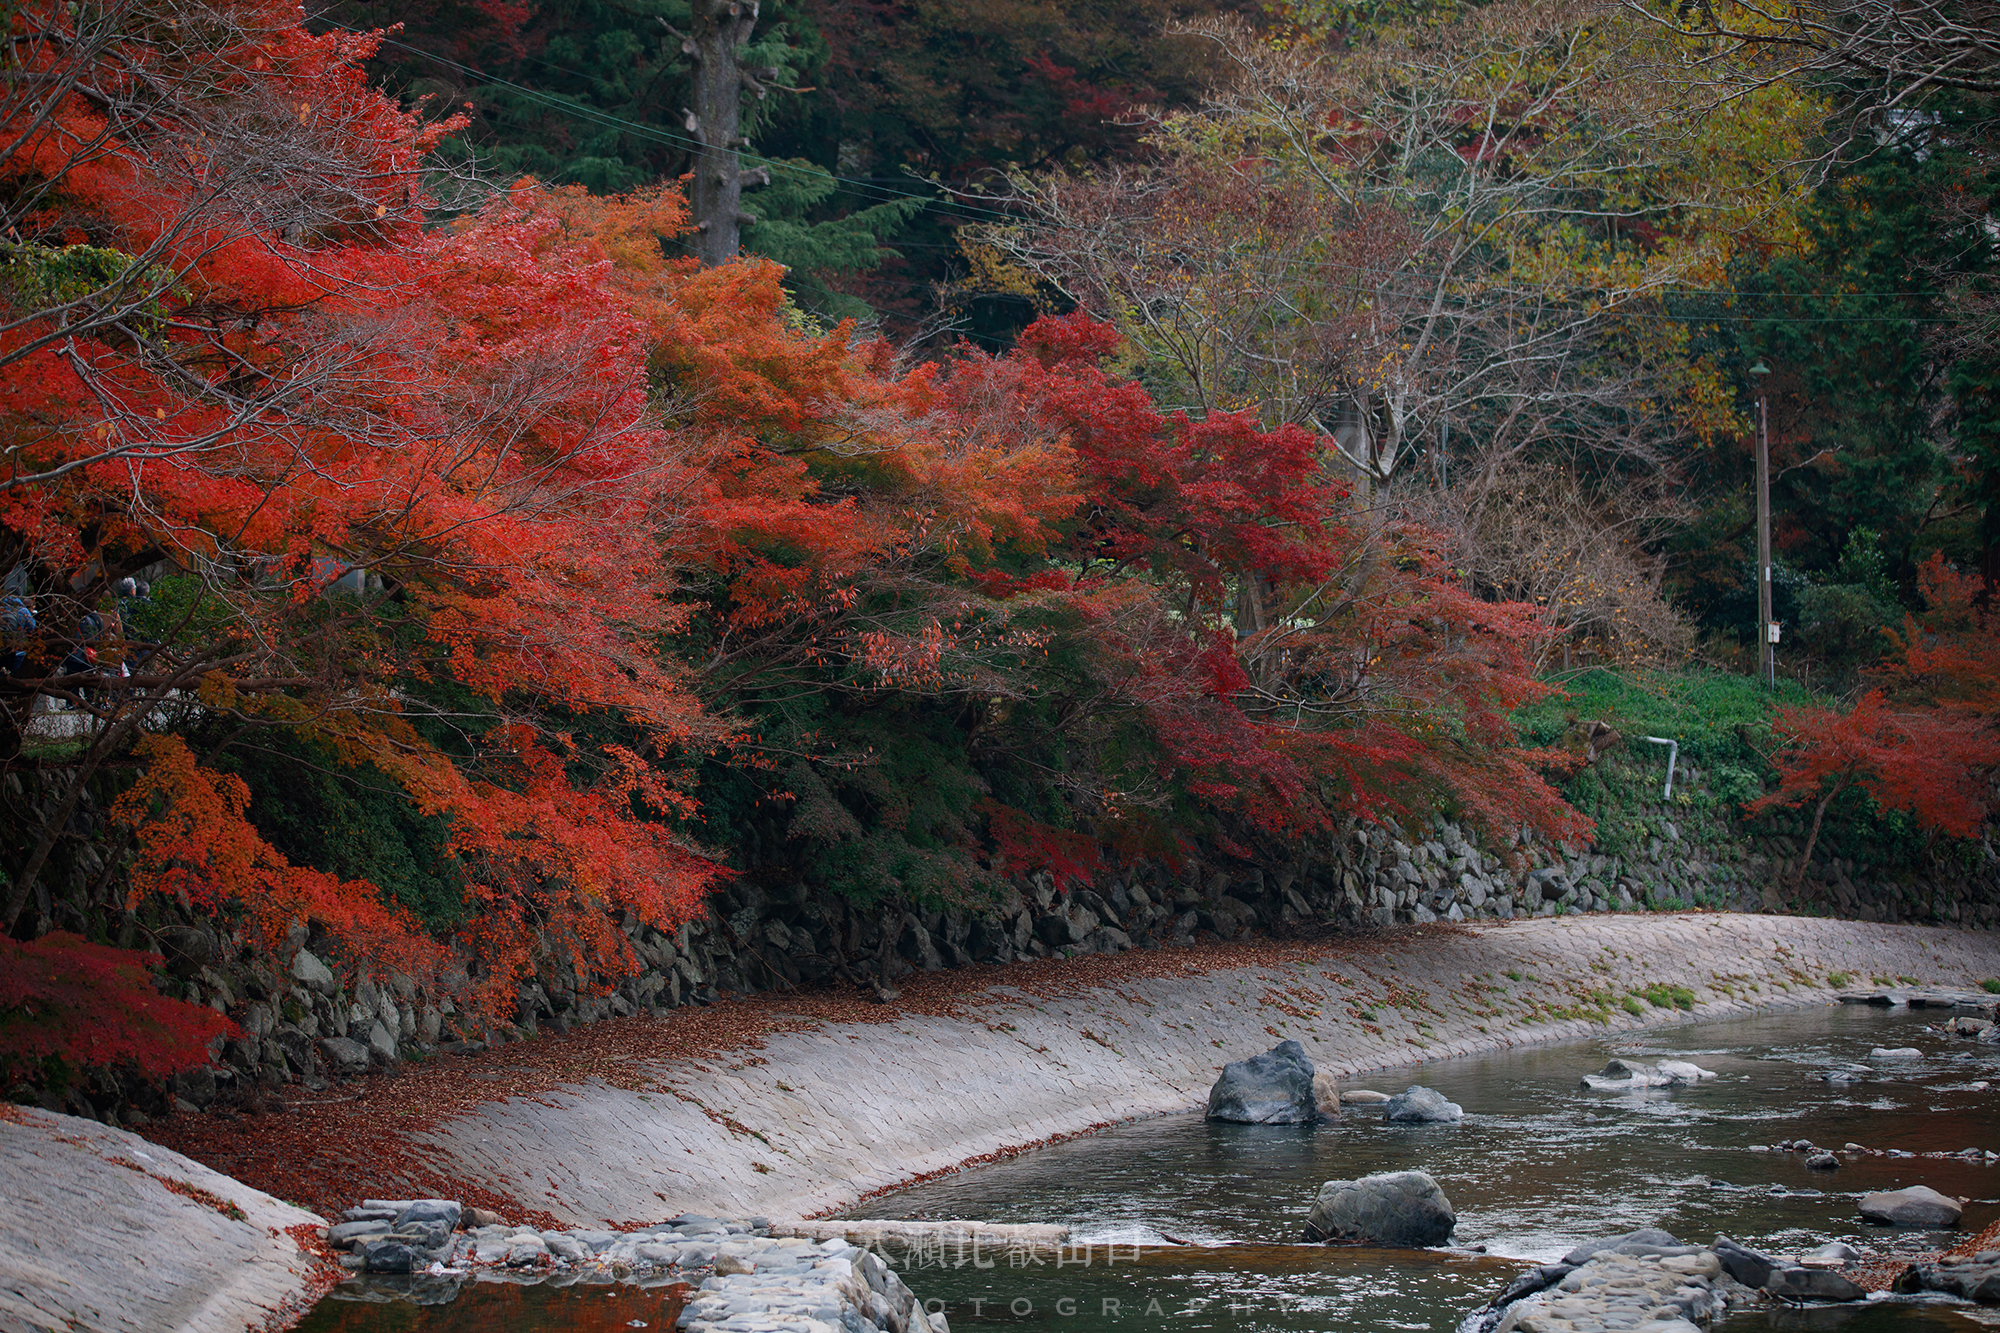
<point>65,999</point>
<point>1924,741</point>
<point>522,515</point>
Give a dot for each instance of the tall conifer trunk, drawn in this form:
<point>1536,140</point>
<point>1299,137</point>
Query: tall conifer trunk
<point>718,30</point>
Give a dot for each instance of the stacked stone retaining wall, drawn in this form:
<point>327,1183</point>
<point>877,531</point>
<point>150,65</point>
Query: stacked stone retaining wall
<point>306,1021</point>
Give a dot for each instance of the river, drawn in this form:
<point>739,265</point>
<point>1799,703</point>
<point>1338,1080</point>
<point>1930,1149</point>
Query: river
<point>1185,1226</point>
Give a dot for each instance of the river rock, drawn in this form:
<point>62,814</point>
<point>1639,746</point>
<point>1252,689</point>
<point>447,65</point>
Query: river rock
<point>1646,1241</point>
<point>1275,1088</point>
<point>446,1211</point>
<point>1362,1097</point>
<point>1895,1053</point>
<point>389,1256</point>
<point>1750,1267</point>
<point>1627,1075</point>
<point>1976,1279</point>
<point>1680,1073</point>
<point>1417,1105</point>
<point>345,1235</point>
<point>1394,1208</point>
<point>1822,1161</point>
<point>1915,1206</point>
<point>1326,1096</point>
<point>1813,1284</point>
<point>1833,1254</point>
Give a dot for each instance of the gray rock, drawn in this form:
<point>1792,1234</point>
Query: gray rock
<point>195,1086</point>
<point>1417,1105</point>
<point>1916,1206</point>
<point>311,972</point>
<point>1813,1284</point>
<point>348,1057</point>
<point>1362,1097</point>
<point>381,1043</point>
<point>565,1247</point>
<point>1275,1088</point>
<point>525,1249</point>
<point>1822,1161</point>
<point>1395,1208</point>
<point>389,1256</point>
<point>1646,1240</point>
<point>1750,1267</point>
<point>346,1234</point>
<point>446,1211</point>
<point>1976,1280</point>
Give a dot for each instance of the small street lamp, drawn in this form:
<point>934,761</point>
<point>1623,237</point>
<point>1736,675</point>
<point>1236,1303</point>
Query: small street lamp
<point>1767,628</point>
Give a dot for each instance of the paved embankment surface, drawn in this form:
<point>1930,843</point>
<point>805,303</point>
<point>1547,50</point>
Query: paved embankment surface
<point>818,1118</point>
<point>102,1230</point>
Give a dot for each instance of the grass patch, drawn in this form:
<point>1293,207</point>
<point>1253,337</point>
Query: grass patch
<point>1632,1006</point>
<point>1668,997</point>
<point>1991,985</point>
<point>1838,979</point>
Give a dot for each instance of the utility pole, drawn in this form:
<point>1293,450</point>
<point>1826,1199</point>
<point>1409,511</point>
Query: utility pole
<point>717,31</point>
<point>1767,629</point>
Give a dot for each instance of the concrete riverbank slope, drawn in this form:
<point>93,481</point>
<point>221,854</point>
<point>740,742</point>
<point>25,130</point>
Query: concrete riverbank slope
<point>818,1118</point>
<point>102,1230</point>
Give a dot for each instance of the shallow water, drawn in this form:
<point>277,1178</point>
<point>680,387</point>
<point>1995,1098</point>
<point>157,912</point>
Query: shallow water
<point>1538,1165</point>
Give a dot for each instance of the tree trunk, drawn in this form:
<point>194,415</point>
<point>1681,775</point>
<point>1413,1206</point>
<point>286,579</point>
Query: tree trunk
<point>1812,836</point>
<point>718,29</point>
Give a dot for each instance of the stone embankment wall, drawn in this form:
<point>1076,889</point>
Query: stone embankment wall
<point>820,1117</point>
<point>306,1024</point>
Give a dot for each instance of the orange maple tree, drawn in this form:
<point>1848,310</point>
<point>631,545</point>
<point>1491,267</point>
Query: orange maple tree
<point>412,484</point>
<point>530,517</point>
<point>1924,740</point>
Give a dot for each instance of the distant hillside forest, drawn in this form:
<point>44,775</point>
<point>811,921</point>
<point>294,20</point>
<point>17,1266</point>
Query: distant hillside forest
<point>477,474</point>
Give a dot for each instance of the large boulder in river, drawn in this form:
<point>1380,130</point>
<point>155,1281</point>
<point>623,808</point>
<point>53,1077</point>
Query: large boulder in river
<point>1275,1088</point>
<point>1916,1206</point>
<point>1417,1105</point>
<point>1395,1208</point>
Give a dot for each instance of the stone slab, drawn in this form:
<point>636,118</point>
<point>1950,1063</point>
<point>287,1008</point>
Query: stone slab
<point>93,1235</point>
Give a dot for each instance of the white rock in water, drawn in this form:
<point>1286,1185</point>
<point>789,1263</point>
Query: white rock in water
<point>1629,1083</point>
<point>1628,1075</point>
<point>1684,1071</point>
<point>1895,1053</point>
